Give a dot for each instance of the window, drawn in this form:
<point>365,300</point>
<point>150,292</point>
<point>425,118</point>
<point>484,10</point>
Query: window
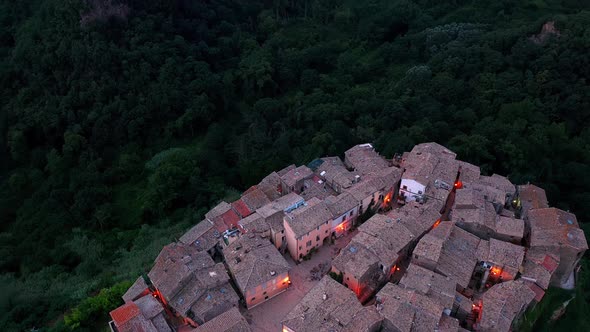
<point>318,228</point>
<point>283,231</point>
<point>343,218</point>
<point>326,222</point>
<point>308,243</point>
<point>347,278</point>
<point>326,231</point>
<point>317,238</point>
<point>299,247</point>
<point>264,293</point>
<point>351,213</point>
<point>253,299</point>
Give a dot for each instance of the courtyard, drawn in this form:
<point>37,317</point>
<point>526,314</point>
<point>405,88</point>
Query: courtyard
<point>268,315</point>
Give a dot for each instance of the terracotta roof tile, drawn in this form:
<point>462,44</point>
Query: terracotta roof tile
<point>539,265</point>
<point>341,204</point>
<point>554,227</point>
<point>333,172</point>
<point>241,208</point>
<point>254,223</point>
<point>502,303</point>
<point>270,185</point>
<point>291,177</point>
<point>408,310</point>
<point>550,263</point>
<point>229,321</point>
<point>539,292</point>
<point>183,275</point>
<point>136,290</point>
<point>214,302</point>
<point>229,219</point>
<point>364,159</point>
<point>196,232</point>
<point>448,324</point>
<point>435,149</point>
<point>218,210</point>
<point>254,198</point>
<point>305,219</point>
<point>149,306</point>
<point>330,306</point>
<point>416,217</point>
<point>458,255</point>
<point>432,284</point>
<point>506,255</point>
<point>124,313</point>
<point>253,260</point>
<point>532,197</point>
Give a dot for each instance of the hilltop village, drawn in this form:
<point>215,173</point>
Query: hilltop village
<point>419,242</point>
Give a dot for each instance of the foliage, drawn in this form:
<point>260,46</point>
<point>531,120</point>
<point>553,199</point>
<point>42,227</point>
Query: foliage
<point>95,308</point>
<point>339,277</point>
<point>123,121</point>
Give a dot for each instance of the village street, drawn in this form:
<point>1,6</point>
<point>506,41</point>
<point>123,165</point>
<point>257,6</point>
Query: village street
<point>268,315</point>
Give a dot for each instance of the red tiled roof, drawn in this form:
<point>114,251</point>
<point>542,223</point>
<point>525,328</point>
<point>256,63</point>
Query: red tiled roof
<point>241,208</point>
<point>124,313</point>
<point>254,198</point>
<point>539,292</point>
<point>219,225</point>
<point>252,188</point>
<point>550,263</point>
<point>230,218</point>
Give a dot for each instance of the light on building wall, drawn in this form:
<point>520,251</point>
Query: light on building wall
<point>458,184</point>
<point>436,223</point>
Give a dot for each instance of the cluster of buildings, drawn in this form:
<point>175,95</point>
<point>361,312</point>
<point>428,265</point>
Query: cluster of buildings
<point>438,246</point>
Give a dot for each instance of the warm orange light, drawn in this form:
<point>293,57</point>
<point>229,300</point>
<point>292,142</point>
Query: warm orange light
<point>495,270</point>
<point>458,184</point>
<point>397,268</point>
<point>473,306</point>
<point>387,200</point>
<point>286,280</point>
<point>436,223</point>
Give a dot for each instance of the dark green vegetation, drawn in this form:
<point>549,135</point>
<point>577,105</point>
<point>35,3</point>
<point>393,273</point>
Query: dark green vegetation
<point>122,122</point>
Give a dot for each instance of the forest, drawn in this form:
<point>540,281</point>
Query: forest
<point>123,121</point>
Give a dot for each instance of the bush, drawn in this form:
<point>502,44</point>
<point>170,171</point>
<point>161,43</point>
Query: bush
<point>336,276</point>
<point>95,308</point>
